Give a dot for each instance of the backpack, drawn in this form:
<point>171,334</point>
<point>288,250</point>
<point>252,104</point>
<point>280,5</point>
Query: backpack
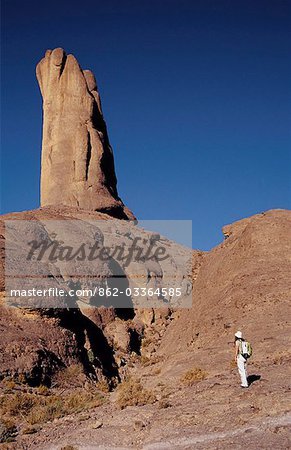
<point>246,349</point>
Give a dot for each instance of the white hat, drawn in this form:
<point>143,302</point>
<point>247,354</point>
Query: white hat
<point>238,334</point>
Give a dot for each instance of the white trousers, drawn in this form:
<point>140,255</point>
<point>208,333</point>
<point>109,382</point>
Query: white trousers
<point>242,370</point>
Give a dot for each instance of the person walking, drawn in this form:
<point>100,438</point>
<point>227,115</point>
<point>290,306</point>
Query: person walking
<point>240,360</point>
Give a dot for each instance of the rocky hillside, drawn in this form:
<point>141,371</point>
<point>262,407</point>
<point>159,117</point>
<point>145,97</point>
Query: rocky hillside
<point>101,338</point>
<point>180,389</point>
<point>244,283</point>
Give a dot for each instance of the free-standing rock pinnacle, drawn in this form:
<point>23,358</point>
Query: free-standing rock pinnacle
<point>77,167</point>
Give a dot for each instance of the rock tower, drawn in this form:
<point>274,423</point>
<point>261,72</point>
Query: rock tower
<point>77,166</point>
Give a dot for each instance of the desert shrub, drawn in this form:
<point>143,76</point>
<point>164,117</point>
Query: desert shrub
<point>37,409</point>
<point>21,378</point>
<point>145,360</point>
<point>71,377</point>
<point>131,393</point>
<point>149,361</point>
<point>146,342</point>
<point>193,376</point>
<point>102,386</point>
<point>43,390</point>
<point>57,406</point>
<point>9,384</point>
<point>45,411</point>
<point>8,431</point>
<point>164,403</point>
<point>17,404</point>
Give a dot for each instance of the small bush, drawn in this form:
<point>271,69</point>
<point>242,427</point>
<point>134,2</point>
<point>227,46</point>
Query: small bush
<point>131,393</point>
<point>56,406</point>
<point>164,403</point>
<point>71,377</point>
<point>8,431</point>
<point>149,361</point>
<point>17,404</point>
<point>193,376</point>
<point>146,342</point>
<point>145,360</point>
<point>46,411</point>
<point>9,383</point>
<point>21,378</point>
<point>36,409</point>
<point>43,390</point>
<point>103,386</point>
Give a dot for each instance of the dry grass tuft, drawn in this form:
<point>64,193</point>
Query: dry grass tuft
<point>36,409</point>
<point>69,447</point>
<point>146,342</point>
<point>8,383</point>
<point>164,403</point>
<point>131,393</point>
<point>8,430</point>
<point>31,429</point>
<point>103,386</point>
<point>71,377</point>
<point>149,361</point>
<point>193,376</point>
<point>43,390</point>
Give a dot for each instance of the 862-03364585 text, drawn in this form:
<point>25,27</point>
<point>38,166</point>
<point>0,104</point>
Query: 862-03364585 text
<point>97,291</point>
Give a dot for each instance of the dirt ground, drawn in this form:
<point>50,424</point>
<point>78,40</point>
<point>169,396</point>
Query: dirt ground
<point>215,413</point>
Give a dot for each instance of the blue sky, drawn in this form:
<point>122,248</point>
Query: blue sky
<point>196,95</point>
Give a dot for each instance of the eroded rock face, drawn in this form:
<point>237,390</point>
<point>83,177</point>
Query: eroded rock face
<point>100,332</point>
<point>77,160</point>
<point>244,283</point>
